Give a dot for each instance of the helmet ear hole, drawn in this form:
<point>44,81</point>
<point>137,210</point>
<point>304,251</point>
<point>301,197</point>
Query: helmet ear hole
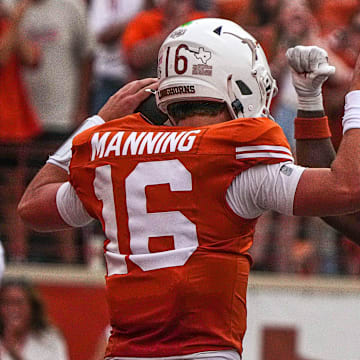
<point>244,89</point>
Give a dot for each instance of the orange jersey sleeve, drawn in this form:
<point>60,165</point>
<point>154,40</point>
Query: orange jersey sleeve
<point>176,254</point>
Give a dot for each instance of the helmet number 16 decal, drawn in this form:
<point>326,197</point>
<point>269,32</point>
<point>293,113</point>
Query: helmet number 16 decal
<point>180,61</point>
<point>143,225</point>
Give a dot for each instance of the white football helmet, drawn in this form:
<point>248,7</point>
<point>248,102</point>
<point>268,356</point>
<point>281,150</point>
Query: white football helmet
<point>217,60</point>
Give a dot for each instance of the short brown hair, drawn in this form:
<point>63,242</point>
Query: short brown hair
<point>180,111</point>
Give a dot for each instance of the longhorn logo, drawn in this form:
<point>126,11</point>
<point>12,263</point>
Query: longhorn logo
<point>202,54</point>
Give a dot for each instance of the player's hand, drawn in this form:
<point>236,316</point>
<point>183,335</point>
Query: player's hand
<point>20,9</point>
<point>127,99</point>
<point>310,69</point>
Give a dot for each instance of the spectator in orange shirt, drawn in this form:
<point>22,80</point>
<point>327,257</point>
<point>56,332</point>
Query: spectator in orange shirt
<point>297,25</point>
<point>146,32</point>
<point>333,14</point>
<point>239,11</point>
<point>345,43</point>
<point>17,120</point>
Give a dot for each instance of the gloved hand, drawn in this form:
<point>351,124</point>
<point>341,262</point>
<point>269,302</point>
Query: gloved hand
<point>310,69</point>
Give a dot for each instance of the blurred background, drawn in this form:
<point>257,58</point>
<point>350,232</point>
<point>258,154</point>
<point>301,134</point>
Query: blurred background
<point>59,62</point>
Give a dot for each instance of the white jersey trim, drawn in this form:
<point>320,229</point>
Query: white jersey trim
<point>254,155</point>
<point>263,147</point>
<point>62,156</point>
<point>264,187</point>
<point>212,355</point>
<point>70,207</point>
<point>263,151</point>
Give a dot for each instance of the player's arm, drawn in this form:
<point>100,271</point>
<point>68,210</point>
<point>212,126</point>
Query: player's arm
<point>294,190</point>
<point>320,153</point>
<point>50,202</point>
<point>12,41</point>
<point>334,191</point>
<point>38,204</point>
<point>314,148</point>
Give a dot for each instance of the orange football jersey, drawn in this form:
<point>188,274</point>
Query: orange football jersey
<point>176,254</point>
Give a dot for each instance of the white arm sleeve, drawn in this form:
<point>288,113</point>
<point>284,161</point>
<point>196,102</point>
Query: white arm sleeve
<point>62,156</point>
<point>70,207</point>
<point>264,187</point>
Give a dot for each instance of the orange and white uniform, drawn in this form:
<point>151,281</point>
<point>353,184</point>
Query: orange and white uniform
<point>178,228</point>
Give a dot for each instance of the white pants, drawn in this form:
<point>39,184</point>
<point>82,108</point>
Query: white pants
<point>211,355</point>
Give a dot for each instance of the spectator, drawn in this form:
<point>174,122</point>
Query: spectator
<point>345,43</point>
<point>59,87</point>
<point>209,6</point>
<point>145,33</point>
<point>238,11</point>
<point>264,24</point>
<point>18,121</point>
<point>297,25</point>
<point>333,14</point>
<point>25,333</point>
<point>108,19</point>
<point>351,257</point>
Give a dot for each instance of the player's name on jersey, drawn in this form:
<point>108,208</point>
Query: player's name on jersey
<point>124,143</point>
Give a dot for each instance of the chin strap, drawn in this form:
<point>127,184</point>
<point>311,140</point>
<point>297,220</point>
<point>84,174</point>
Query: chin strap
<point>236,105</point>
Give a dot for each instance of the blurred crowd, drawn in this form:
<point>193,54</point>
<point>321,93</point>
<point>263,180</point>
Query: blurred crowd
<point>61,59</point>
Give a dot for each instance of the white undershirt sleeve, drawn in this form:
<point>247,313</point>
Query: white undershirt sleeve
<point>70,207</point>
<point>62,156</point>
<point>264,187</point>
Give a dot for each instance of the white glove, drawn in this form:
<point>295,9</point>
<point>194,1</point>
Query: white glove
<point>310,69</point>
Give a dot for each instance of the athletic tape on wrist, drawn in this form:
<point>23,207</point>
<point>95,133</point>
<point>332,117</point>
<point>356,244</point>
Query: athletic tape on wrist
<point>351,118</point>
<point>62,156</point>
<point>311,103</point>
<point>312,128</point>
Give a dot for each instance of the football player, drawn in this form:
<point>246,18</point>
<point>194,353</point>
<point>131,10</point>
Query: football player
<point>179,204</point>
<point>314,147</point>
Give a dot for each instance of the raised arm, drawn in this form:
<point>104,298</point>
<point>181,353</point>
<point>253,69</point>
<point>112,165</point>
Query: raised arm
<point>314,148</point>
<point>49,202</point>
<point>12,41</point>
